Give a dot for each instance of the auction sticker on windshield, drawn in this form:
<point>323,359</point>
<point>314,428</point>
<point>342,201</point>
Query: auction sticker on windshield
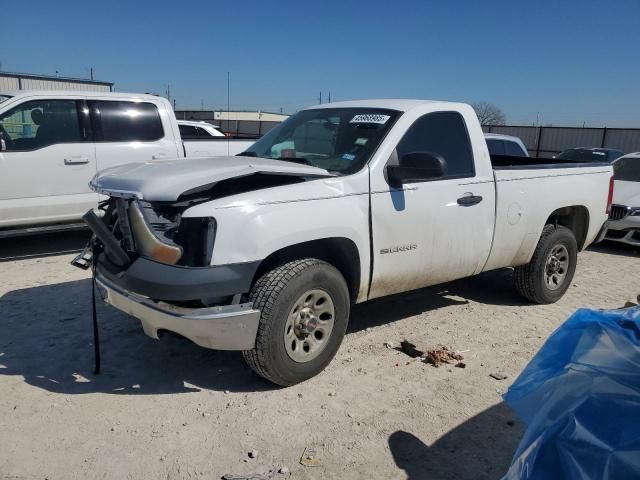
<point>370,118</point>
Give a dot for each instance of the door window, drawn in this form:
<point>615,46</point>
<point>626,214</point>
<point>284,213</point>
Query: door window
<point>514,149</point>
<point>188,131</point>
<point>39,123</point>
<point>120,121</point>
<point>496,147</point>
<point>444,133</point>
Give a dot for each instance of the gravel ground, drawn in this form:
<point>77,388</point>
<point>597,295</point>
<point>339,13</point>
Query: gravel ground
<point>170,409</point>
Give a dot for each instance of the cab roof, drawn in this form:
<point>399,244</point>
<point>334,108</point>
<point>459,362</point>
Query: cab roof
<point>402,105</point>
<point>77,93</point>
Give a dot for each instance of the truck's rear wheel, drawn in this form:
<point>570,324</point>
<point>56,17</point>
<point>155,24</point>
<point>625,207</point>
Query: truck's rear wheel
<point>550,272</point>
<point>304,307</point>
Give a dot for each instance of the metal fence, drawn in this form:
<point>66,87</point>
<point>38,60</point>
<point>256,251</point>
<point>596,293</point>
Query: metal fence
<point>546,142</point>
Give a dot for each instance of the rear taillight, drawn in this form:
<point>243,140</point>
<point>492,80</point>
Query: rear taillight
<point>610,196</point>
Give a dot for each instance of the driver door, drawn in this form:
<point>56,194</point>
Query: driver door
<point>436,230</point>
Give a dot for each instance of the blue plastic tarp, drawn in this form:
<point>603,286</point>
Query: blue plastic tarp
<point>580,399</point>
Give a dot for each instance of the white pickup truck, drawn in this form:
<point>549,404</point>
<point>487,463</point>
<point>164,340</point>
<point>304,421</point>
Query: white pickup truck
<point>52,143</point>
<point>340,204</point>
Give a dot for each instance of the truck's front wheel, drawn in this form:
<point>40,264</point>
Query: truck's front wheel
<point>550,272</point>
<point>304,308</point>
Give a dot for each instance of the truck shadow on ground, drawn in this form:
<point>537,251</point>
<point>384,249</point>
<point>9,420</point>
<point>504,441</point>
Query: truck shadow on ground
<point>480,448</point>
<point>493,288</point>
<point>38,246</point>
<point>47,339</point>
<point>616,248</point>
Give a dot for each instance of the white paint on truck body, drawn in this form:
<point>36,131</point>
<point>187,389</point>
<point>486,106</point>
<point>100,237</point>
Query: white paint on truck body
<point>445,240</point>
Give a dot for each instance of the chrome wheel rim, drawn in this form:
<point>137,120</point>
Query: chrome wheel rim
<point>556,267</point>
<point>309,325</point>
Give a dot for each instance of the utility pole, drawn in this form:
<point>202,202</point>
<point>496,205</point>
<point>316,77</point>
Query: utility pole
<point>320,97</point>
<point>174,104</point>
<point>329,97</point>
<point>91,73</point>
<point>169,92</point>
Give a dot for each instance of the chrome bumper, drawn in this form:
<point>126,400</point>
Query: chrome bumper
<point>230,327</point>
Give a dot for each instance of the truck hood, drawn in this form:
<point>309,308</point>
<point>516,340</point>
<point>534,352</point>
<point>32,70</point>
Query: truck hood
<point>626,193</point>
<point>166,181</point>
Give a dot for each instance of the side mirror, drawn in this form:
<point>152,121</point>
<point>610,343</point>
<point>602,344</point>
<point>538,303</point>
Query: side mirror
<point>416,167</point>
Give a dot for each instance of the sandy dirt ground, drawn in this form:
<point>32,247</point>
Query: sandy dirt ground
<point>172,410</point>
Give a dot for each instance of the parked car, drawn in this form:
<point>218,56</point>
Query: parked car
<point>52,143</point>
<point>190,129</point>
<point>505,145</point>
<point>341,203</point>
<point>624,224</point>
<point>590,155</point>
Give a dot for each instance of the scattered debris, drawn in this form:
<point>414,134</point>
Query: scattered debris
<point>310,457</point>
<point>206,414</point>
<point>332,394</point>
<point>441,355</point>
<point>299,395</point>
<point>253,453</point>
<point>498,376</point>
<point>410,349</point>
<point>283,470</point>
<point>511,423</point>
<point>388,345</point>
<point>226,392</point>
<point>435,357</point>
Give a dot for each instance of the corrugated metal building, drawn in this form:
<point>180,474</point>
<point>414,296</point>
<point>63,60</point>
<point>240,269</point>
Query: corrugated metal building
<point>26,81</point>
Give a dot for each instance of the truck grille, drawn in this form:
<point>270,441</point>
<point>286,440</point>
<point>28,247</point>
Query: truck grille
<point>618,212</point>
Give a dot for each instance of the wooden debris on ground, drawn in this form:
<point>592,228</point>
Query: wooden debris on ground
<point>436,357</point>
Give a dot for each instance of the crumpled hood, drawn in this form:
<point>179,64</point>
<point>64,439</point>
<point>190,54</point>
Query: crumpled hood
<point>166,181</point>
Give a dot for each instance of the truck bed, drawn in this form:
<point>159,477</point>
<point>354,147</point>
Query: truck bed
<point>528,189</point>
<point>503,162</point>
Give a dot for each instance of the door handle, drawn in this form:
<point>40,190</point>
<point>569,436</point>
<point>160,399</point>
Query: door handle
<point>469,199</point>
<point>158,156</point>
<point>78,160</point>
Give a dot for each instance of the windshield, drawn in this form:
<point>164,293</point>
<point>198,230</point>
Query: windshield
<point>584,155</point>
<point>627,169</point>
<point>340,140</point>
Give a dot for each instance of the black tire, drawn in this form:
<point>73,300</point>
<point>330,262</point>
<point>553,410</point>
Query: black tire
<point>274,294</point>
<point>530,279</point>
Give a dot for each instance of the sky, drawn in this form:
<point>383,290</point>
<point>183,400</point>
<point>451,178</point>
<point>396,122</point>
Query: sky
<point>565,62</point>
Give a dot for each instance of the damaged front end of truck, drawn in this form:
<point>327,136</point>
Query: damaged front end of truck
<point>153,262</point>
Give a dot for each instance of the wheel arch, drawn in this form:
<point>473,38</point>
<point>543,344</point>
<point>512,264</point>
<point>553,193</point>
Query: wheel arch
<point>340,252</point>
<point>575,218</point>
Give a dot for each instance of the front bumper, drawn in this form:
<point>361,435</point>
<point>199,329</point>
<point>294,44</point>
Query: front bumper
<point>229,327</point>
